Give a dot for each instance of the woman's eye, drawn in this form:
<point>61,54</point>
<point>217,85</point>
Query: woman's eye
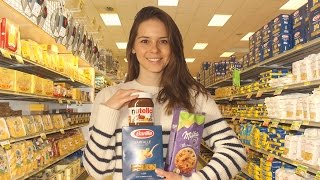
<point>144,41</point>
<point>164,41</point>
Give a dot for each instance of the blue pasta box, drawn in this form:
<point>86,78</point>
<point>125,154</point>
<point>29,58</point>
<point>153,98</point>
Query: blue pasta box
<point>258,54</point>
<point>300,16</point>
<point>281,24</point>
<point>314,24</point>
<point>281,42</point>
<point>299,35</point>
<point>313,4</point>
<point>142,152</point>
<point>266,51</point>
<point>266,32</point>
<point>252,41</point>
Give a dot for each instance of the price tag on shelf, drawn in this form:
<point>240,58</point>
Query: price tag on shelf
<point>305,122</point>
<point>60,101</point>
<point>5,144</point>
<point>306,83</point>
<point>43,135</point>
<point>275,123</point>
<point>301,170</point>
<point>283,121</point>
<point>297,47</point>
<point>233,118</point>
<point>285,87</point>
<point>231,98</point>
<point>266,122</point>
<point>270,157</point>
<point>249,95</point>
<point>62,131</point>
<point>71,79</point>
<point>259,93</point>
<point>296,125</point>
<point>19,59</point>
<point>278,91</point>
<point>241,119</point>
<point>5,54</point>
<point>317,177</point>
<point>68,102</point>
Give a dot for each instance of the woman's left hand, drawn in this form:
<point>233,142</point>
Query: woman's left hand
<point>168,175</point>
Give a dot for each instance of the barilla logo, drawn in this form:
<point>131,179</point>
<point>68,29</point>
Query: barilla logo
<point>316,18</point>
<point>285,37</point>
<point>142,133</point>
<point>146,110</point>
<point>275,39</point>
<point>296,14</point>
<point>297,34</point>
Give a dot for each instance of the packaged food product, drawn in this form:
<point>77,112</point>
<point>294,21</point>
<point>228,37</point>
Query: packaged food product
<point>7,83</point>
<point>46,120</point>
<point>57,121</point>
<point>36,85</point>
<point>30,160</point>
<point>141,109</point>
<point>4,165</point>
<point>15,126</point>
<point>23,82</point>
<point>29,125</point>
<point>47,87</point>
<point>4,132</point>
<point>184,142</point>
<point>142,152</point>
<point>9,35</point>
<point>38,123</point>
<point>16,156</point>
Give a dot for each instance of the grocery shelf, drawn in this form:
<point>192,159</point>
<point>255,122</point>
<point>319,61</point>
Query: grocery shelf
<point>284,121</point>
<point>46,166</point>
<point>207,147</point>
<point>12,140</point>
<point>16,62</point>
<point>81,172</point>
<point>311,169</point>
<point>297,87</point>
<point>11,95</point>
<point>246,173</point>
<point>279,61</point>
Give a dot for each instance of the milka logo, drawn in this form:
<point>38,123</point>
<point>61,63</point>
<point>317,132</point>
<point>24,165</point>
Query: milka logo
<point>190,135</point>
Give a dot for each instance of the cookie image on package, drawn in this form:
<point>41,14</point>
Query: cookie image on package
<point>185,161</point>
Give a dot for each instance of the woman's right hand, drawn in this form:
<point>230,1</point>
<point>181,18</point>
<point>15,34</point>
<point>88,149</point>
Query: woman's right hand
<point>120,98</point>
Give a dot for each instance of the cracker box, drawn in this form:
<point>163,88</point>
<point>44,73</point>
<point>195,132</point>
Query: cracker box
<point>184,142</point>
<point>142,152</point>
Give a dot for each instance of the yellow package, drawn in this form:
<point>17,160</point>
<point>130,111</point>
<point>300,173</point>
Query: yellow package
<point>26,50</point>
<point>15,126</point>
<point>8,79</point>
<point>4,165</point>
<point>38,124</point>
<point>23,82</point>
<point>4,132</point>
<point>16,156</point>
<point>47,123</point>
<point>57,121</point>
<point>29,125</point>
<point>30,160</point>
<point>36,85</point>
<point>47,87</point>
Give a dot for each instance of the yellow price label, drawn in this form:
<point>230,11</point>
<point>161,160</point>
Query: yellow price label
<point>68,102</point>
<point>6,145</point>
<point>19,59</point>
<point>283,121</point>
<point>306,83</point>
<point>43,135</point>
<point>275,123</point>
<point>270,157</point>
<point>301,170</point>
<point>62,131</point>
<point>296,125</point>
<point>305,122</point>
<point>5,54</point>
<point>266,122</point>
<point>241,119</point>
<point>71,79</point>
<point>249,95</point>
<point>259,94</point>
<point>60,101</point>
<point>278,91</point>
<point>298,47</point>
<point>231,98</point>
<point>317,177</point>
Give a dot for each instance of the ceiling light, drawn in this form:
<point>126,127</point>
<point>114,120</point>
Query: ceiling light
<point>111,19</point>
<point>121,45</point>
<point>200,46</point>
<point>246,37</point>
<point>168,2</point>
<point>190,59</point>
<point>226,54</point>
<point>293,4</point>
<point>125,59</point>
<point>219,20</point>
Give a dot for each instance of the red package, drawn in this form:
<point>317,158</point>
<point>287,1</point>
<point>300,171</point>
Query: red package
<point>9,35</point>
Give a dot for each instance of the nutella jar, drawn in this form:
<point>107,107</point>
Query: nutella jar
<point>141,109</point>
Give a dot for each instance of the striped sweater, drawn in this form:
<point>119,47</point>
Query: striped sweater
<point>103,153</point>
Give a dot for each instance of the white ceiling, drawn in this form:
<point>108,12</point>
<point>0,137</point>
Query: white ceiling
<point>192,18</point>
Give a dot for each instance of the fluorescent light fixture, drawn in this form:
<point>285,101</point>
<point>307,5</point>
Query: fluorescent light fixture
<point>246,37</point>
<point>111,19</point>
<point>200,46</point>
<point>190,59</point>
<point>125,59</point>
<point>121,45</point>
<point>219,20</point>
<point>293,4</point>
<point>226,54</point>
<point>168,2</point>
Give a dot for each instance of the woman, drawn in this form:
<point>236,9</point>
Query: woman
<point>156,64</point>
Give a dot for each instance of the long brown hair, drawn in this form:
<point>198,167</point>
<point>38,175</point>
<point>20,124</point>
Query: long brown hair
<point>176,79</point>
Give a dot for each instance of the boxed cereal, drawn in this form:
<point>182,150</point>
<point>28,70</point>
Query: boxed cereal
<point>184,142</point>
<point>142,152</point>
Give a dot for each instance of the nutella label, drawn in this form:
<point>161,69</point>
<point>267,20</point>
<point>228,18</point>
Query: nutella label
<point>140,114</point>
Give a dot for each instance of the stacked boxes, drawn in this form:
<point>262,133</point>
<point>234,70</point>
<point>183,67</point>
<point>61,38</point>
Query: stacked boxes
<point>281,34</point>
<point>300,25</point>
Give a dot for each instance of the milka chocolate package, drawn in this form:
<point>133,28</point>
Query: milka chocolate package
<point>142,152</point>
<point>184,142</point>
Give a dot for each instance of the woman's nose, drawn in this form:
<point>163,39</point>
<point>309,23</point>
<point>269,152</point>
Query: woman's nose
<point>154,47</point>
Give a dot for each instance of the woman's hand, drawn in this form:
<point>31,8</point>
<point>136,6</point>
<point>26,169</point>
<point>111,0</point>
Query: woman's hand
<point>121,97</point>
<point>168,175</point>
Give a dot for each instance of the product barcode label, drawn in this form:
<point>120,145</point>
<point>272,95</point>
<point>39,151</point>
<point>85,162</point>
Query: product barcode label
<point>301,170</point>
<point>296,125</point>
<point>259,94</point>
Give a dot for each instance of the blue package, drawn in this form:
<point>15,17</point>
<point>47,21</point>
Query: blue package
<point>281,42</point>
<point>314,24</point>
<point>258,54</point>
<point>266,32</point>
<point>142,152</point>
<point>300,16</point>
<point>313,4</point>
<point>299,35</point>
<point>266,50</point>
<point>281,24</point>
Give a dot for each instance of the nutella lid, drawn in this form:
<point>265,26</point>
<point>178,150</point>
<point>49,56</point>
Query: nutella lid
<point>142,95</point>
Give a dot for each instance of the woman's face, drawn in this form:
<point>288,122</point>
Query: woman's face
<point>152,47</point>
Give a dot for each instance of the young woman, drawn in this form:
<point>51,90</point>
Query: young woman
<point>156,64</point>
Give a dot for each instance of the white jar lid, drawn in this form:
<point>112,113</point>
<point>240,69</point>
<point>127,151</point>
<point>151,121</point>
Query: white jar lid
<point>142,95</point>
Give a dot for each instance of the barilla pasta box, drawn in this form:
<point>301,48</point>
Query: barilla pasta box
<point>184,142</point>
<point>142,152</point>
